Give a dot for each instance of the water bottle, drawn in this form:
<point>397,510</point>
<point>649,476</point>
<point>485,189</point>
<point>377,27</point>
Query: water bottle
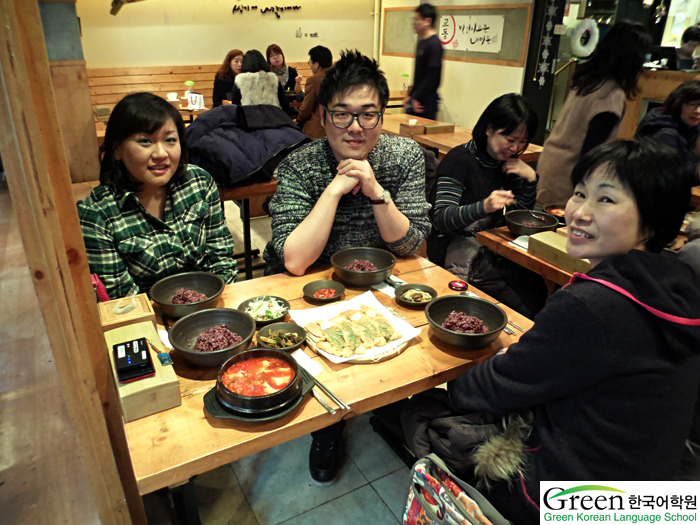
<point>404,82</point>
<point>189,86</point>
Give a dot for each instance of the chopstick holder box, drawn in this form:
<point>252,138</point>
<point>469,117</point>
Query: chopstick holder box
<point>146,396</point>
<point>551,246</point>
<point>409,130</point>
<point>439,127</point>
<point>120,312</point>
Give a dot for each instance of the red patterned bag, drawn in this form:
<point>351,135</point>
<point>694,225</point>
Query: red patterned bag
<point>436,496</point>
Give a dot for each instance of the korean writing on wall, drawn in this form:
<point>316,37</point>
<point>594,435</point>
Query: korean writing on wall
<point>482,33</point>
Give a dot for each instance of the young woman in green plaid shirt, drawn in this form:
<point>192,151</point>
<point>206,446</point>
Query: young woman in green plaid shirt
<point>152,215</point>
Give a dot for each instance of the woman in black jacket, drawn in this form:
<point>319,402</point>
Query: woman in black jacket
<point>226,76</point>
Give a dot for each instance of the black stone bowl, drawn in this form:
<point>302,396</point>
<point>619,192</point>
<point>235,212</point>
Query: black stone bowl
<point>281,327</point>
<point>521,222</point>
<point>314,286</point>
<point>493,317</point>
<point>382,259</point>
<point>262,322</point>
<point>203,282</point>
<point>402,289</point>
<point>259,405</point>
<point>184,333</point>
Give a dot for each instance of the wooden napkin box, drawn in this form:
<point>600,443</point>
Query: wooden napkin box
<point>551,246</point>
<point>114,314</point>
<point>439,127</point>
<point>410,130</point>
<point>147,396</point>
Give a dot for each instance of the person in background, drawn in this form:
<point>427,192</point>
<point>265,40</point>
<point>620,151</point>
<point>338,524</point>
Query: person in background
<point>690,40</point>
<point>225,76</point>
<point>677,123</point>
<point>422,99</point>
<point>476,182</point>
<point>288,77</point>
<point>593,108</point>
<point>320,60</point>
<point>255,84</point>
<point>690,252</point>
<point>612,358</point>
<point>152,215</point>
<point>355,187</point>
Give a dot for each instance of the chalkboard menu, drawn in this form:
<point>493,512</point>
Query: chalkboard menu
<point>485,34</point>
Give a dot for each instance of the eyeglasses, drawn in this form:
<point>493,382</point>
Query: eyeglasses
<point>344,119</point>
<point>694,104</point>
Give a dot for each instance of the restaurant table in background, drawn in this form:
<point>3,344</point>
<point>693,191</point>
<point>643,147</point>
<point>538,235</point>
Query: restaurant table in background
<point>169,447</point>
<point>695,198</point>
<point>444,142</point>
<point>500,241</point>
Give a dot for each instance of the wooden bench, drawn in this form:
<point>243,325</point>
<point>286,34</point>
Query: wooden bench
<point>109,85</point>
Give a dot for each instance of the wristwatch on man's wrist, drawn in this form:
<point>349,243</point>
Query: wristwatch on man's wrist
<point>385,198</point>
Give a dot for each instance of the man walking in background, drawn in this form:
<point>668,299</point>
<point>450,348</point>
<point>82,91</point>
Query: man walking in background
<point>309,119</point>
<point>423,98</point>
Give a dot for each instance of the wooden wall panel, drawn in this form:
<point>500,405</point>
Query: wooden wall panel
<point>76,119</point>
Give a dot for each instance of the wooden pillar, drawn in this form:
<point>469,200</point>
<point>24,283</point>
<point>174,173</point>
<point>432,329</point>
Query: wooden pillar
<point>33,152</point>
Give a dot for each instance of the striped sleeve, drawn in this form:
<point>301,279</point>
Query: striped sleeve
<point>449,216</point>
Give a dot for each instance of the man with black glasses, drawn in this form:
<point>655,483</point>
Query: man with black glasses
<point>356,187</point>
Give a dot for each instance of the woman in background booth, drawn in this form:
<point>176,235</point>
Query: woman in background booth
<point>475,183</point>
<point>226,75</point>
<point>612,359</point>
<point>255,84</point>
<point>288,77</point>
<point>152,215</point>
<point>593,109</point>
<point>677,123</point>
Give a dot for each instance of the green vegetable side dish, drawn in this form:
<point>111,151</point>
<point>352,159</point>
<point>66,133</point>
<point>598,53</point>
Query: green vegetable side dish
<point>281,339</point>
<point>265,309</point>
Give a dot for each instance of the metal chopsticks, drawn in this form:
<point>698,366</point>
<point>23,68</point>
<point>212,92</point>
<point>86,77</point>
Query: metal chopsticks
<point>515,325</point>
<point>323,403</point>
<point>330,394</point>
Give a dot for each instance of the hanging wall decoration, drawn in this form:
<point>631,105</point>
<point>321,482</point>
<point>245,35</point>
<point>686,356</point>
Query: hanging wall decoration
<point>584,38</point>
<point>545,57</point>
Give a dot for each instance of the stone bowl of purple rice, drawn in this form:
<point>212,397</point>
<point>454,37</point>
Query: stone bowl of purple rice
<point>383,260</point>
<point>184,333</point>
<point>206,283</point>
<point>493,317</point>
<point>522,222</point>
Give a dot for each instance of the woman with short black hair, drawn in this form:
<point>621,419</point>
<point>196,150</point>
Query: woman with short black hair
<point>152,215</point>
<point>612,358</point>
<point>475,183</point>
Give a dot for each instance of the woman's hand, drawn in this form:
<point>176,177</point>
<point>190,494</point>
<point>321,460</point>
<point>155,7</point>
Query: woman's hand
<point>519,168</point>
<point>498,200</point>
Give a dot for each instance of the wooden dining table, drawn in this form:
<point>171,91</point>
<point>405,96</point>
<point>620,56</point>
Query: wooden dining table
<point>170,447</point>
<point>500,241</point>
<point>444,142</point>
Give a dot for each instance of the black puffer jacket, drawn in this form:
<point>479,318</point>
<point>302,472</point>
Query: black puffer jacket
<point>235,143</point>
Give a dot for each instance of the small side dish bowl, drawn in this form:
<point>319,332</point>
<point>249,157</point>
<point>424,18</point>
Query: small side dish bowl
<point>265,309</point>
<point>207,283</point>
<point>521,222</point>
<point>401,290</point>
<point>383,260</point>
<point>184,333</point>
<point>493,317</point>
<point>273,331</point>
<point>314,287</point>
<point>262,403</point>
<point>559,211</point>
